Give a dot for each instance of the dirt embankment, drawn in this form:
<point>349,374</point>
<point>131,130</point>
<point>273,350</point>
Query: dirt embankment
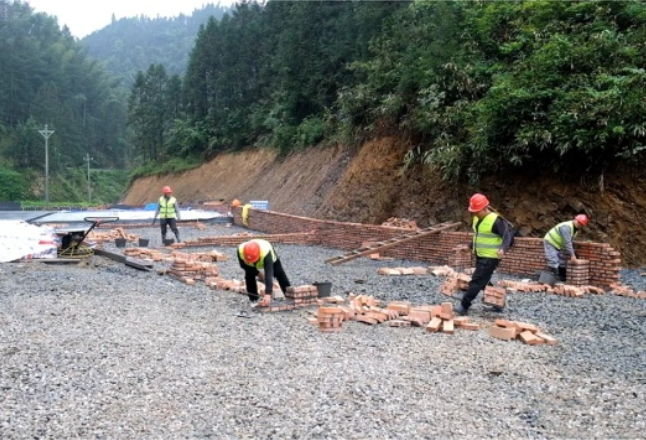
<point>367,185</point>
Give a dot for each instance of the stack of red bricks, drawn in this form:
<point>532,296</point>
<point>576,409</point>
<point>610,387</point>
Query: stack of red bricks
<point>454,283</point>
<point>303,296</point>
<point>146,253</point>
<point>329,319</point>
<point>188,271</point>
<point>528,333</point>
<point>621,290</point>
<point>404,223</point>
<point>403,271</point>
<point>208,257</point>
<point>443,319</point>
<point>578,272</point>
<point>558,289</point>
<point>110,236</point>
<point>494,296</point>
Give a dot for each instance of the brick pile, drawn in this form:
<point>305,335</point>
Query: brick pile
<point>329,319</point>
<point>403,271</point>
<point>209,257</point>
<point>622,290</point>
<point>404,223</point>
<point>528,333</point>
<point>188,271</point>
<point>147,254</point>
<point>455,283</point>
<point>110,236</point>
<point>494,296</point>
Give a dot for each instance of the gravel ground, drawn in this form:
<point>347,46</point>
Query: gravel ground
<point>105,351</point>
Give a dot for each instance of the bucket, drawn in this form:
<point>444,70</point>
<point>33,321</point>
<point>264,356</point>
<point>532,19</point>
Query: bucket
<point>143,242</point>
<point>168,241</point>
<point>547,278</point>
<point>120,242</point>
<point>324,289</point>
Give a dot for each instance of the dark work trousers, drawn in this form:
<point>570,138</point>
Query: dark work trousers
<point>164,222</point>
<point>480,278</point>
<point>250,274</point>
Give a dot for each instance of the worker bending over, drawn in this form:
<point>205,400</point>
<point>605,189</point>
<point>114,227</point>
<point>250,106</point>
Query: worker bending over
<point>255,255</point>
<point>168,211</point>
<point>492,237</point>
<point>558,245</point>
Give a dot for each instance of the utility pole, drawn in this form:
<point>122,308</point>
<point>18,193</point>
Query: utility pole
<point>46,134</point>
<point>87,158</point>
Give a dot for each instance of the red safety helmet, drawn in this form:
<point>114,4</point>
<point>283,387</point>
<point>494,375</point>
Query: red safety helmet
<point>478,202</point>
<point>251,252</point>
<point>582,219</point>
<point>167,190</point>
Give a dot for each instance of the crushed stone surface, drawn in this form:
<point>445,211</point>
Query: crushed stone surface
<point>102,350</point>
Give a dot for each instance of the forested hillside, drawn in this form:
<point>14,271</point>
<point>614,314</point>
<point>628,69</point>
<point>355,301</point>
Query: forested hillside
<point>476,87</point>
<point>129,45</point>
<point>47,79</point>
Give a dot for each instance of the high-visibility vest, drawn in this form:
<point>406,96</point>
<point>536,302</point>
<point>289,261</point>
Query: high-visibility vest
<point>485,242</point>
<point>245,214</point>
<point>167,207</point>
<point>554,236</point>
<point>265,249</point>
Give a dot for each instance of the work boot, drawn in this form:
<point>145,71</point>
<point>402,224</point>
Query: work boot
<point>562,273</point>
<point>460,311</point>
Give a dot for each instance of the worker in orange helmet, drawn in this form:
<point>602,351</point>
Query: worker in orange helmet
<point>255,255</point>
<point>168,211</point>
<point>558,244</point>
<point>492,238</point>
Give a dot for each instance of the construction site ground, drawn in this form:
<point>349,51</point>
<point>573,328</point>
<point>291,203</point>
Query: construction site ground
<point>103,350</point>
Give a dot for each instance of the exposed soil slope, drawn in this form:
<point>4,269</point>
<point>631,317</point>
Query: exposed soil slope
<point>367,185</point>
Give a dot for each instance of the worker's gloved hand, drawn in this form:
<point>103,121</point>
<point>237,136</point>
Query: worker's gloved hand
<point>264,302</point>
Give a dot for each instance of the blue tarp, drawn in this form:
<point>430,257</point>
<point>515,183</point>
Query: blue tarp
<point>150,207</point>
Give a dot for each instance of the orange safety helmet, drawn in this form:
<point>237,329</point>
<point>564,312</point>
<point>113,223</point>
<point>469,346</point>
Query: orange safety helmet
<point>582,219</point>
<point>235,203</point>
<point>478,202</point>
<point>167,190</point>
<point>251,252</point>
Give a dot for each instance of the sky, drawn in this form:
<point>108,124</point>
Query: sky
<point>83,17</point>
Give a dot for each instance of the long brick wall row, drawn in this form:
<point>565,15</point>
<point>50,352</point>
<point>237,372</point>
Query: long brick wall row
<point>525,259</point>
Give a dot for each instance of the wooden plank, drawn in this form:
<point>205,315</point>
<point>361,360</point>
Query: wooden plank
<point>391,243</point>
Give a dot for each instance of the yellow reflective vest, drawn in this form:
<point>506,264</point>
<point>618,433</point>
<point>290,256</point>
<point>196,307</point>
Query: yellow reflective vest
<point>167,207</point>
<point>485,242</point>
<point>554,236</point>
<point>265,249</point>
<point>245,214</point>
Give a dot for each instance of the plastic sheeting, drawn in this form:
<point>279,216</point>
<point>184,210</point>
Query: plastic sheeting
<point>20,240</point>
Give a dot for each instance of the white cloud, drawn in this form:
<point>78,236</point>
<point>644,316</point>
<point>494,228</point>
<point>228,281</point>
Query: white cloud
<point>83,17</point>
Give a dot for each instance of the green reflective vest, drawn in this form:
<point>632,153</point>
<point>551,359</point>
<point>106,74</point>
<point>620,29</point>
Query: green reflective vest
<point>554,236</point>
<point>485,242</point>
<point>167,207</point>
<point>265,249</point>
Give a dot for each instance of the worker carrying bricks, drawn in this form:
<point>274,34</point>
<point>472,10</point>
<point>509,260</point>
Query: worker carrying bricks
<point>168,211</point>
<point>256,255</point>
<point>558,245</point>
<point>492,238</point>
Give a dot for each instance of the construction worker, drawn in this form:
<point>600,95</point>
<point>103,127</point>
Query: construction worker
<point>558,246</point>
<point>255,255</point>
<point>168,211</point>
<point>235,203</point>
<point>492,237</point>
<point>245,213</point>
